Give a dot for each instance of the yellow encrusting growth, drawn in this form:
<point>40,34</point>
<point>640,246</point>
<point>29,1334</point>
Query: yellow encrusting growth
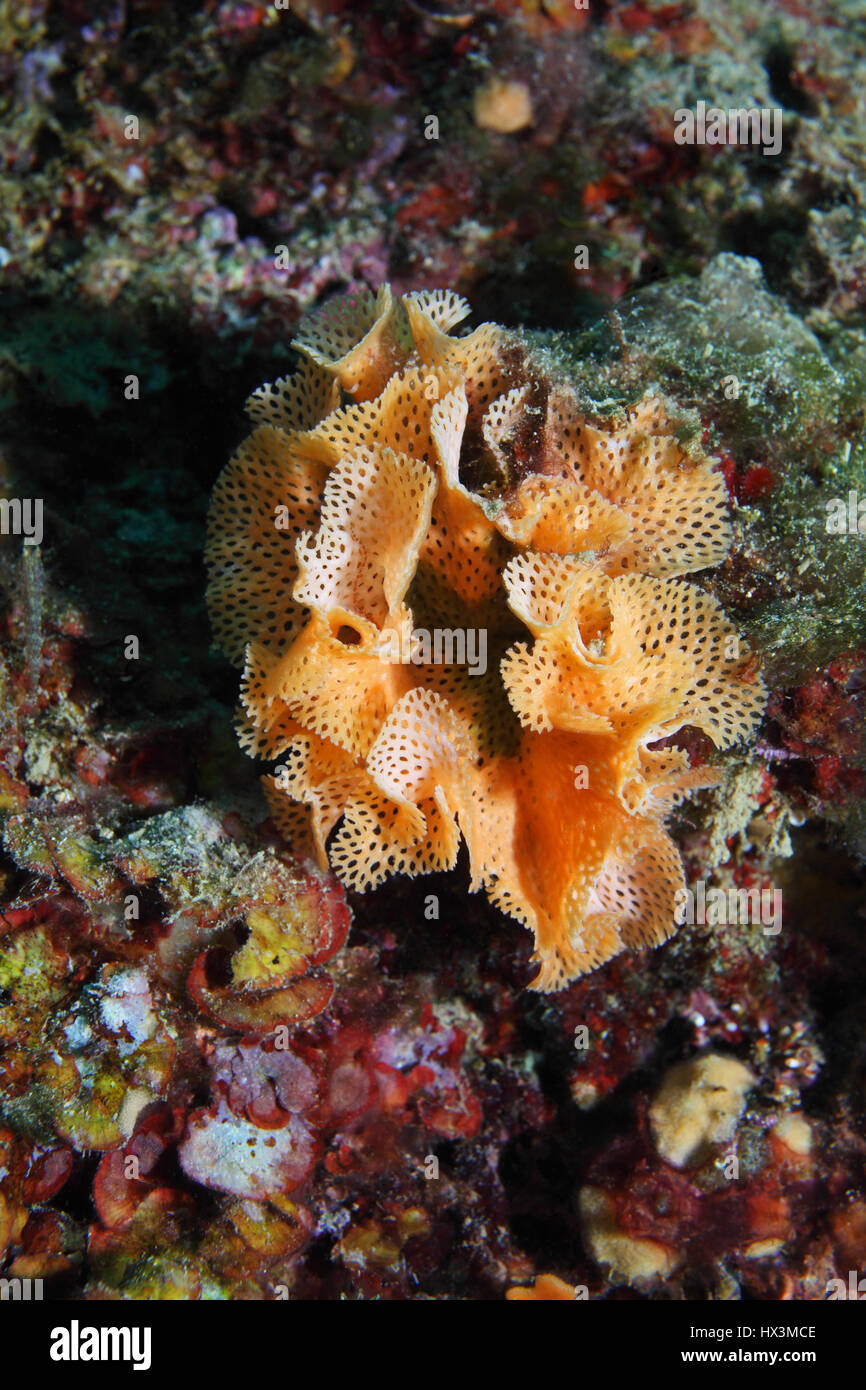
<point>699,1104</point>
<point>458,607</point>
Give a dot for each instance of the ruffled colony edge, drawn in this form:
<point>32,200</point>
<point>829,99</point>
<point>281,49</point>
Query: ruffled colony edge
<point>409,498</point>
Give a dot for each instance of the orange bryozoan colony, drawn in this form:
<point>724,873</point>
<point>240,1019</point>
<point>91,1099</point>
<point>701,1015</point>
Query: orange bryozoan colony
<point>458,609</point>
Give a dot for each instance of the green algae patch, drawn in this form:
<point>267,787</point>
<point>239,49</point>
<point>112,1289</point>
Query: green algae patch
<point>33,972</point>
<point>76,359</point>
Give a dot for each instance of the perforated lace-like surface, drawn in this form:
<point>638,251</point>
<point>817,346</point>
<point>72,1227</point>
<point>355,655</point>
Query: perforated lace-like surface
<point>428,661</point>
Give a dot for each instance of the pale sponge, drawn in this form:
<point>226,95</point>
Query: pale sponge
<point>699,1103</point>
<point>459,609</point>
<point>632,1259</point>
